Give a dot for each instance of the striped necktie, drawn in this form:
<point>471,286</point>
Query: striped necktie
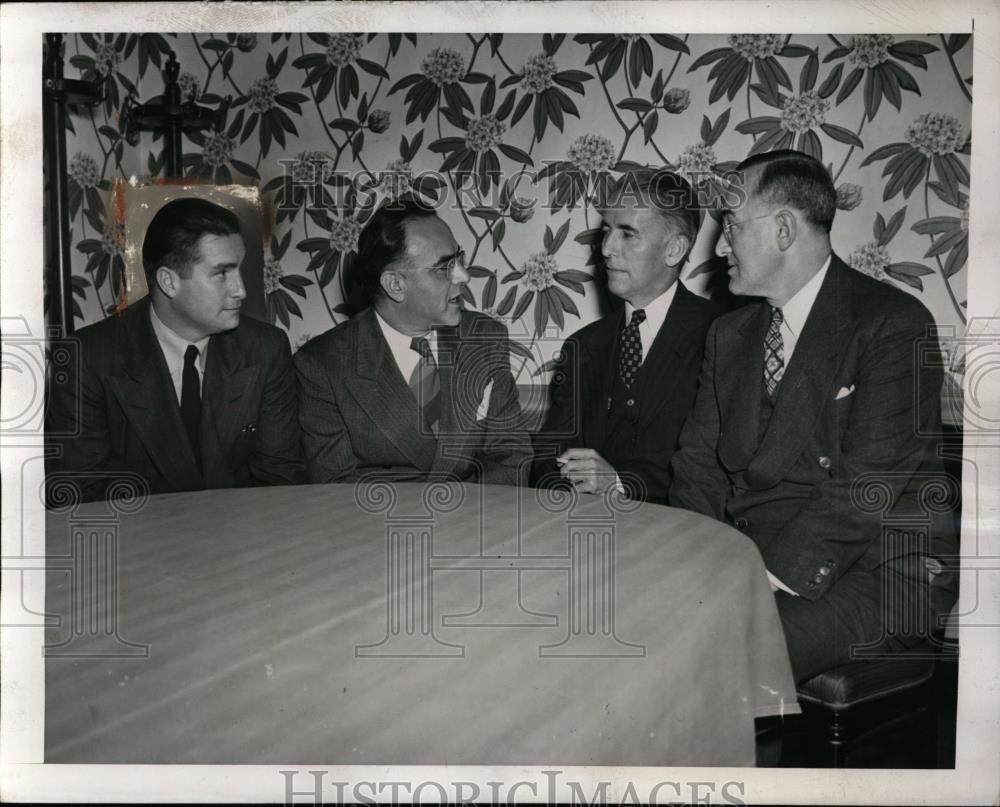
<point>425,383</point>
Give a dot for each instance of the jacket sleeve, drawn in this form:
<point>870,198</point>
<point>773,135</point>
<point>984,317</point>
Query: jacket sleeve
<point>506,453</point>
<point>77,430</point>
<point>326,442</point>
<point>699,482</point>
<point>562,427</point>
<point>277,457</point>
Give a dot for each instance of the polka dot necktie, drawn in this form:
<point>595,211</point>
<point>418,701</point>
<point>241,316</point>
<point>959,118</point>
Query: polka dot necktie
<point>774,354</point>
<point>630,351</point>
<point>425,382</point>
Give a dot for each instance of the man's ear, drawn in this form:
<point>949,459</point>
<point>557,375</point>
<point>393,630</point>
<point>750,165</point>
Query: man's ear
<point>787,228</point>
<point>168,281</point>
<point>393,284</point>
<point>677,248</point>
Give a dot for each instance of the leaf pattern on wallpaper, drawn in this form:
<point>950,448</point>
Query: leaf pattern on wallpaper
<point>514,135</point>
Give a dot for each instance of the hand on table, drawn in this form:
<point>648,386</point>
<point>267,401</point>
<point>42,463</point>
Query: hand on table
<point>587,470</point>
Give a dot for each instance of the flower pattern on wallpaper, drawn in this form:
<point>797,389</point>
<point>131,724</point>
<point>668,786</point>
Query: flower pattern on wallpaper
<point>517,135</point>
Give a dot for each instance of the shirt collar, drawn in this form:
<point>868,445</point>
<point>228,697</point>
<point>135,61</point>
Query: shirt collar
<point>796,310</point>
<point>656,310</point>
<point>399,342</point>
<point>173,345</point>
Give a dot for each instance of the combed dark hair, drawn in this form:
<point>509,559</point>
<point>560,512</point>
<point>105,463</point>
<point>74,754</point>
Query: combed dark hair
<point>669,193</point>
<point>787,177</point>
<point>173,235</point>
<point>383,240</point>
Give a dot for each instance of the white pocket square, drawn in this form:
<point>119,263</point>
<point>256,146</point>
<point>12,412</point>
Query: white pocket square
<point>845,391</point>
<point>484,406</point>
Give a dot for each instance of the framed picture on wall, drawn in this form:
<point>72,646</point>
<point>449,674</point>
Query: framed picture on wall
<point>136,204</point>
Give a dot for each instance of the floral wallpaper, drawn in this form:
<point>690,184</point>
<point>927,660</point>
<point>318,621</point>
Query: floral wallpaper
<point>512,136</point>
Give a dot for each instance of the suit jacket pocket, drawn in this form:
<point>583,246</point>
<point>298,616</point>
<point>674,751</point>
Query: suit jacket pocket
<point>244,446</point>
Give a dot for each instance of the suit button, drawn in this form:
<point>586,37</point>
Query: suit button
<point>630,402</point>
<point>742,523</point>
<point>824,570</point>
<point>818,579</point>
<point>824,462</point>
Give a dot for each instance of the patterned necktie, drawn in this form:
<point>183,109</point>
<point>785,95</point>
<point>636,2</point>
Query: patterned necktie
<point>425,382</point>
<point>191,400</point>
<point>630,350</point>
<point>774,354</point>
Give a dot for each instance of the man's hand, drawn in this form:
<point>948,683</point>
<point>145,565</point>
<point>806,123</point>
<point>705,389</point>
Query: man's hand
<point>587,470</point>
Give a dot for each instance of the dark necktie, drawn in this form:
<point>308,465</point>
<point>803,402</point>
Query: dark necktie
<point>425,382</point>
<point>191,400</point>
<point>774,354</point>
<point>630,351</point>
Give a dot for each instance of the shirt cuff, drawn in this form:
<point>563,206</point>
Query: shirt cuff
<point>776,582</point>
<point>619,486</point>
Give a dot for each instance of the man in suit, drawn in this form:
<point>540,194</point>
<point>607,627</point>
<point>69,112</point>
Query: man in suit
<point>625,383</point>
<point>810,429</point>
<point>179,388</point>
<point>414,387</point>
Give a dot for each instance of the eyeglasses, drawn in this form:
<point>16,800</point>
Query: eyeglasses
<point>729,224</point>
<point>456,261</point>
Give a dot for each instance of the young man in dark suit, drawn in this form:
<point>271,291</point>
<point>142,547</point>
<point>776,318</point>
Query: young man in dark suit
<point>813,427</point>
<point>414,387</point>
<point>626,383</point>
<point>178,388</point>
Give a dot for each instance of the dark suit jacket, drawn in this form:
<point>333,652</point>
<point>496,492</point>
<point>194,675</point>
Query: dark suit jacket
<point>844,449</point>
<point>121,405</point>
<point>360,419</point>
<point>582,384</point>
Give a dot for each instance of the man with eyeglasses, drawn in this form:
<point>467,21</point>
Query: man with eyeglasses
<point>813,427</point>
<point>414,387</point>
<point>626,383</point>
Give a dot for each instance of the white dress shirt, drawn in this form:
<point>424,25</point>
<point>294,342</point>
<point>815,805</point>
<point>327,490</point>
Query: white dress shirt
<point>794,315</point>
<point>656,313</point>
<point>796,311</point>
<point>406,357</point>
<point>174,346</point>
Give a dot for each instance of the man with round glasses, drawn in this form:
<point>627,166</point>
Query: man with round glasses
<point>814,427</point>
<point>414,387</point>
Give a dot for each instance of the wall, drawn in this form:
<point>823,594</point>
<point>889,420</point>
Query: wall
<point>889,115</point>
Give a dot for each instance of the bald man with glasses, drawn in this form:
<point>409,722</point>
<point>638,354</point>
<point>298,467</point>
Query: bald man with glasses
<point>414,387</point>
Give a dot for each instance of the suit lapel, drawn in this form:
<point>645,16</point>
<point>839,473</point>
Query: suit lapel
<point>738,376</point>
<point>669,351</point>
<point>805,387</point>
<point>600,370</point>
<point>227,401</point>
<point>461,364</point>
<point>149,401</point>
<point>383,393</point>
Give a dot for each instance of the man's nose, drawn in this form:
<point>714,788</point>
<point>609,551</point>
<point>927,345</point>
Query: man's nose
<point>609,244</point>
<point>236,287</point>
<point>459,274</point>
<point>722,247</point>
